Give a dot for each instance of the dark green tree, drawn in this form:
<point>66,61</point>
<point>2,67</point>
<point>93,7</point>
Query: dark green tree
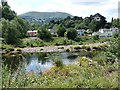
<point>71,33</point>
<point>12,36</point>
<point>116,23</point>
<point>44,34</point>
<point>7,13</point>
<point>98,23</point>
<point>5,27</point>
<point>22,26</point>
<point>92,25</point>
<point>61,30</point>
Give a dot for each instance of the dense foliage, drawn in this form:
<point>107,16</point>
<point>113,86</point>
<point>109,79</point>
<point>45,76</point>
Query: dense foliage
<point>71,33</point>
<point>7,13</point>
<point>44,34</point>
<point>80,23</point>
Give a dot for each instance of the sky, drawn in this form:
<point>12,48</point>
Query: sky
<point>84,8</point>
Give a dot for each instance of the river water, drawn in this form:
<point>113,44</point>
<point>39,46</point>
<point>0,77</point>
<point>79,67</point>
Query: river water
<point>40,62</point>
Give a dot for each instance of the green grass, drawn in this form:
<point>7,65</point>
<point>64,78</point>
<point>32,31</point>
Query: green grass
<point>84,74</point>
<point>32,42</point>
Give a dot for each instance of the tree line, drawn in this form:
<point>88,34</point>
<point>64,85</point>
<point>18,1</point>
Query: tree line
<point>14,28</point>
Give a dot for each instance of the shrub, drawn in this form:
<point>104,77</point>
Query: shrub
<point>60,47</point>
<point>101,58</point>
<point>84,61</point>
<point>96,47</point>
<point>19,49</point>
<point>116,35</point>
<point>67,50</point>
<point>88,48</point>
<point>103,47</point>
<point>32,42</point>
<point>11,49</point>
<point>41,49</point>
<point>58,62</point>
<point>43,54</point>
<point>80,43</point>
<point>83,47</point>
<point>77,47</point>
<point>96,37</point>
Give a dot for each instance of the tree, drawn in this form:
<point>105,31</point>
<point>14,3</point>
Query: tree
<point>77,18</point>
<point>12,36</point>
<point>100,23</point>
<point>44,34</point>
<point>116,23</point>
<point>7,13</point>
<point>61,30</point>
<point>22,26</point>
<point>92,26</point>
<point>70,24</point>
<point>71,33</point>
<point>108,25</point>
<point>5,26</point>
<point>86,21</point>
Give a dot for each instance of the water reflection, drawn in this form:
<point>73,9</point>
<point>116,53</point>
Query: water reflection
<point>39,62</point>
<point>13,61</point>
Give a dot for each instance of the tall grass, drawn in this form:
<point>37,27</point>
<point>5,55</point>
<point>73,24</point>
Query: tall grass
<point>87,75</point>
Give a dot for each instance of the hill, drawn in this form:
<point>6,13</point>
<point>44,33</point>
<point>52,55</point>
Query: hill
<point>43,17</point>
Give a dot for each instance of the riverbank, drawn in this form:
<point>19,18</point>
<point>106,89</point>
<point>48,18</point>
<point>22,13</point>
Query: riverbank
<point>62,48</point>
<point>55,48</point>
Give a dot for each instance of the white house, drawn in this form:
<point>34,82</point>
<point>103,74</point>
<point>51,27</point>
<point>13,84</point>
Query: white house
<point>32,33</point>
<point>114,29</point>
<point>107,32</point>
<point>81,32</point>
<point>53,31</point>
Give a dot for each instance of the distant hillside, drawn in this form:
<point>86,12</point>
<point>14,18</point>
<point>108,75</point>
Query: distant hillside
<point>42,17</point>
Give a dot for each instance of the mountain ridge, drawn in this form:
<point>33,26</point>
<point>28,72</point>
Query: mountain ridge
<point>41,17</point>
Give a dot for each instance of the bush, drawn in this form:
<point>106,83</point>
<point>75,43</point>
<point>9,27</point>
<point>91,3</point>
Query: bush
<point>67,50</point>
<point>18,49</point>
<point>11,49</point>
<point>116,35</point>
<point>96,37</point>
<point>58,62</point>
<point>60,47</point>
<point>43,54</point>
<point>83,47</point>
<point>96,47</point>
<point>77,47</point>
<point>88,48</point>
<point>32,42</point>
<point>80,43</point>
<point>103,47</point>
<point>101,58</point>
<point>84,61</point>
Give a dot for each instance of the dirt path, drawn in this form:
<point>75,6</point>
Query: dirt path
<point>54,48</point>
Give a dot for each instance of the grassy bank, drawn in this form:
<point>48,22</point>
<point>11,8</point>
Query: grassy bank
<point>84,74</point>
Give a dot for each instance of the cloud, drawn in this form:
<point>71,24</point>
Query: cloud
<point>83,8</point>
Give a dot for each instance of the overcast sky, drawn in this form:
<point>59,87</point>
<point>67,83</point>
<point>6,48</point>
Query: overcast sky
<point>108,8</point>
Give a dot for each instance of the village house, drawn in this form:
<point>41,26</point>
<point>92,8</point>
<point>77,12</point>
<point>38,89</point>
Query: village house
<point>97,17</point>
<point>81,32</point>
<point>53,31</point>
<point>32,33</point>
<point>106,32</point>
